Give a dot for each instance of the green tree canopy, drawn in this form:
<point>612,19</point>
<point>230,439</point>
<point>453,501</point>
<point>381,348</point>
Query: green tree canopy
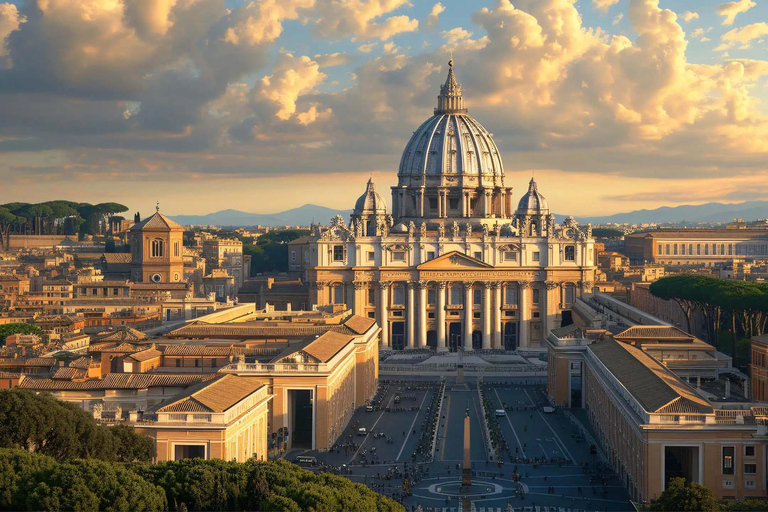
<point>8,329</point>
<point>41,423</point>
<point>682,497</point>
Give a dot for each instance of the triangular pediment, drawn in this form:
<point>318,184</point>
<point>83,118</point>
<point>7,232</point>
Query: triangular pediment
<point>453,260</point>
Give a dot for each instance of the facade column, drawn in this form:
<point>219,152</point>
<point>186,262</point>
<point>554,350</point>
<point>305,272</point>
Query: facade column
<point>488,204</point>
<point>383,310</point>
<point>525,314</point>
<point>421,202</point>
<point>440,316</point>
<point>422,314</point>
<point>503,207</point>
<point>497,316</point>
<point>358,300</point>
<point>486,315</point>
<point>411,310</point>
<point>468,316</point>
<point>551,300</point>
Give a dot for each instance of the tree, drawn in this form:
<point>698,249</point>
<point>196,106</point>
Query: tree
<point>18,328</point>
<point>680,496</point>
<point>106,210</point>
<point>7,219</point>
<point>40,423</point>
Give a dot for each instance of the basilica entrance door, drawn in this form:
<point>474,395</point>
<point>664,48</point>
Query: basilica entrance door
<point>432,339</point>
<point>398,335</point>
<point>477,340</point>
<point>454,336</point>
<point>510,336</point>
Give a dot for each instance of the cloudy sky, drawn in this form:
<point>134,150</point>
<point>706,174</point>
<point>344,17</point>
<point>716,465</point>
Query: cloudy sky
<point>266,105</point>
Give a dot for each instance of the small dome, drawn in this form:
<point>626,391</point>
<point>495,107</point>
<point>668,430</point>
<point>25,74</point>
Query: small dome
<point>399,228</point>
<point>370,203</point>
<point>533,202</point>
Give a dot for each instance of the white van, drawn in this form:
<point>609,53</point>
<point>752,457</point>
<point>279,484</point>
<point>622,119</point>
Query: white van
<point>362,431</point>
<point>500,412</point>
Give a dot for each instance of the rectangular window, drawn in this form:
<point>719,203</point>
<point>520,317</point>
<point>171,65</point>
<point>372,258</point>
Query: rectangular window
<point>433,203</point>
<point>536,256</point>
<point>478,297</point>
<point>510,296</point>
<point>706,249</point>
<point>728,456</point>
<point>510,256</point>
<point>178,363</point>
<point>201,417</point>
<point>690,249</point>
<point>338,253</point>
<point>371,256</point>
<point>176,249</point>
<point>570,253</point>
<point>115,292</point>
<point>682,249</point>
<point>213,362</point>
<point>478,255</point>
<point>570,294</point>
<point>398,256</point>
<point>698,249</point>
<point>749,451</point>
<point>398,295</point>
<point>750,469</point>
<point>453,204</point>
<point>674,249</point>
<point>455,295</point>
<point>431,297</point>
<point>338,295</point>
<point>536,295</point>
<point>430,255</point>
<point>371,296</point>
<point>94,291</point>
<point>177,417</point>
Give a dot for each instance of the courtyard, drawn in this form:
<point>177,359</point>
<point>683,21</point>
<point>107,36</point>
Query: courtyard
<point>411,448</point>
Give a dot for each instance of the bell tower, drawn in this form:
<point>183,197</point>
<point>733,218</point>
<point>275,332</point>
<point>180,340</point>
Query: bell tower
<point>157,250</point>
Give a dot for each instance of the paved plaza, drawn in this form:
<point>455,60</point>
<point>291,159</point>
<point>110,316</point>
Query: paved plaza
<point>541,459</point>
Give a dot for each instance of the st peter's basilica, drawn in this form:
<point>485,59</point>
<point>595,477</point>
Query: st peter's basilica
<point>453,265</point>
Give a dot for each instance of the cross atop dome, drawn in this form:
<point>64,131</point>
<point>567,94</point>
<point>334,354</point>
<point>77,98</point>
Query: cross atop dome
<point>450,100</point>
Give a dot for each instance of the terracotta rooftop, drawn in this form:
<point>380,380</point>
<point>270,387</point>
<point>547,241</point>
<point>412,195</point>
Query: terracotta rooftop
<point>69,373</point>
<point>328,345</point>
<point>145,355</point>
<point>657,389</point>
<point>359,324</point>
<point>40,361</point>
<point>117,381</point>
<point>653,333</point>
<point>216,396</point>
<point>241,331</point>
<point>117,257</point>
<point>121,334</point>
<point>199,350</point>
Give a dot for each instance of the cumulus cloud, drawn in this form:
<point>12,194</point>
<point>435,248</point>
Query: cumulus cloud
<point>332,59</point>
<point>367,47</point>
<point>363,19</point>
<point>690,15</point>
<point>434,16</point>
<point>10,20</point>
<point>743,35</point>
<point>261,21</point>
<point>291,77</point>
<point>729,10</point>
<point>604,5</point>
<point>617,19</point>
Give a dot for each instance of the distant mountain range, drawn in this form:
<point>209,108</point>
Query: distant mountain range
<point>301,216</point>
<point>708,213</point>
<point>304,215</point>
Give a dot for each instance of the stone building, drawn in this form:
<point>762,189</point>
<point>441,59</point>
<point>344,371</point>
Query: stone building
<point>157,250</point>
<point>454,264</point>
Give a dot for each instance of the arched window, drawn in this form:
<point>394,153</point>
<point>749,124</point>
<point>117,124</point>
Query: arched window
<point>157,248</point>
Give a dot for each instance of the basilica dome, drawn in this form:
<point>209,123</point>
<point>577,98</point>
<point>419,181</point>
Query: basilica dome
<point>533,202</point>
<point>451,147</point>
<point>370,203</point>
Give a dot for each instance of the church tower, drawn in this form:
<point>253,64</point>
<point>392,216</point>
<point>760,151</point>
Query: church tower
<point>157,250</point>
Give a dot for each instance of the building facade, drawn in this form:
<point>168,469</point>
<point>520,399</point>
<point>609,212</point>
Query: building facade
<point>697,247</point>
<point>157,251</point>
<point>455,264</point>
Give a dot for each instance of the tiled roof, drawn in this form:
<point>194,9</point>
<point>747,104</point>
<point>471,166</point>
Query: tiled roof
<point>156,221</point>
<point>112,258</point>
<point>359,324</point>
<point>656,388</point>
<point>117,381</point>
<point>9,375</point>
<point>216,395</point>
<point>69,373</point>
<point>83,363</point>
<point>123,348</point>
<point>145,355</point>
<point>327,345</point>
<point>220,331</point>
<point>199,350</point>
<point>121,334</point>
<point>653,332</point>
<point>40,361</point>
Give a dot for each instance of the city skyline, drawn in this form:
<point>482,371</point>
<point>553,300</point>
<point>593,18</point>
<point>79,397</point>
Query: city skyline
<point>637,103</point>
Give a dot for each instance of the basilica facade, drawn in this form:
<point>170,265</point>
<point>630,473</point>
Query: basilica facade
<point>454,265</point>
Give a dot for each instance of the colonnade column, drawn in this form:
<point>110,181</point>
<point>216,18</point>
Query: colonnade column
<point>486,315</point>
<point>421,202</point>
<point>525,314</point>
<point>411,308</point>
<point>422,314</point>
<point>550,306</point>
<point>468,316</point>
<point>497,316</point>
<point>359,299</point>
<point>383,306</point>
<point>441,286</point>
